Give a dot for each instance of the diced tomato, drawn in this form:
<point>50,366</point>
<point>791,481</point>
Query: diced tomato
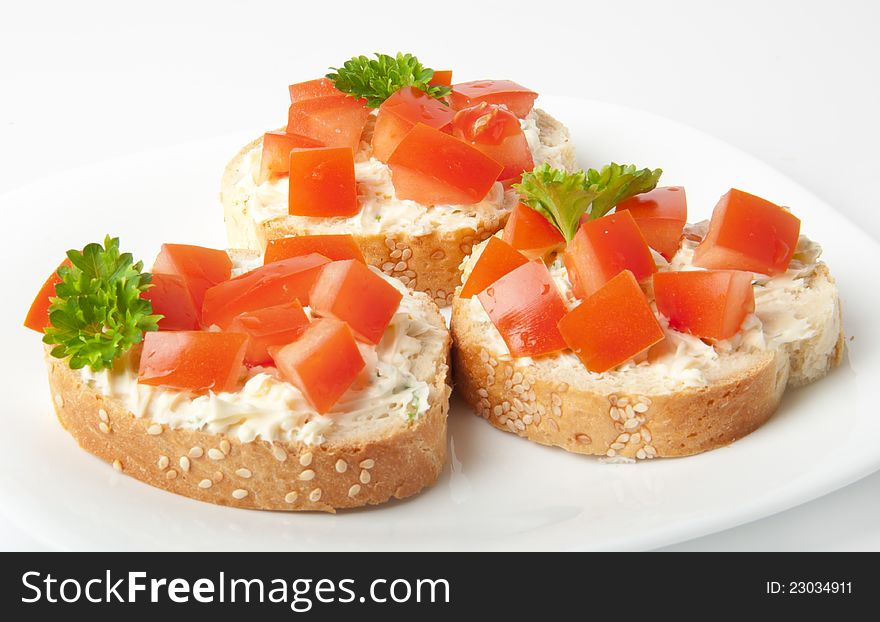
<point>333,247</point>
<point>312,89</point>
<point>276,283</point>
<point>332,121</point>
<point>322,182</point>
<point>349,291</point>
<point>271,326</point>
<point>711,304</point>
<point>496,132</point>
<point>497,259</point>
<point>38,314</point>
<point>431,167</point>
<point>192,360</point>
<point>442,78</point>
<point>518,99</point>
<point>200,267</point>
<point>323,363</point>
<point>531,233</point>
<point>603,248</point>
<point>749,233</point>
<point>277,146</point>
<point>661,215</point>
<point>611,326</point>
<point>170,297</point>
<point>400,112</point>
<point>525,307</point>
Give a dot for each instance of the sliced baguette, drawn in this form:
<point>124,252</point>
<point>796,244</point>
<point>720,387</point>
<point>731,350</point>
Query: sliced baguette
<point>627,414</point>
<point>355,466</point>
<point>428,263</point>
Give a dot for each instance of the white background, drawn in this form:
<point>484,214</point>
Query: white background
<point>794,83</point>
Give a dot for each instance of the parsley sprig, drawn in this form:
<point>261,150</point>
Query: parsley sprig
<point>97,313</point>
<point>564,197</point>
<point>376,79</point>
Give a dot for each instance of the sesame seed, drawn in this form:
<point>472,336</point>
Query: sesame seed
<point>389,242</point>
<point>307,475</point>
<point>388,267</point>
<point>217,477</point>
<point>519,425</point>
<point>279,453</point>
<point>623,401</point>
<point>640,407</point>
<point>636,438</point>
<point>117,465</point>
<point>244,473</point>
<point>617,446</point>
<point>517,378</point>
<point>171,474</point>
<point>615,413</point>
<point>438,255</point>
<point>502,419</point>
<point>239,493</point>
<point>482,392</point>
<point>484,356</point>
<point>306,459</point>
<point>631,424</point>
<point>162,463</point>
<point>556,410</point>
<point>365,477</point>
<point>645,400</point>
<point>341,466</point>
<point>551,423</point>
<point>497,410</point>
<point>650,450</point>
<point>395,254</point>
<point>59,400</point>
<point>102,415</point>
<point>646,435</point>
<point>354,490</point>
<point>291,497</point>
<point>196,452</point>
<point>215,454</point>
<point>184,464</point>
<point>511,425</point>
<point>407,253</point>
<point>610,453</point>
<point>583,439</point>
<point>315,495</point>
<point>623,438</point>
<point>369,463</point>
<point>225,447</point>
<point>528,419</point>
<point>630,413</point>
<point>205,483</point>
<point>154,430</point>
<point>640,454</point>
<point>104,427</point>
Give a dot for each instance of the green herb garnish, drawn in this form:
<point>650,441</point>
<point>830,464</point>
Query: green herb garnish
<point>97,313</point>
<point>375,80</point>
<point>564,197</point>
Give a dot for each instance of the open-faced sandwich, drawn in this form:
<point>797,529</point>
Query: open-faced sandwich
<point>416,169</point>
<point>309,382</point>
<point>630,334</point>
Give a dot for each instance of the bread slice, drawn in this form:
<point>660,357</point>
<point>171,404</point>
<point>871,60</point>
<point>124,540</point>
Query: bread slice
<point>650,410</point>
<point>426,256</point>
<point>365,463</point>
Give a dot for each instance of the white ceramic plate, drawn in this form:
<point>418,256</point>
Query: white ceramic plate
<point>499,492</point>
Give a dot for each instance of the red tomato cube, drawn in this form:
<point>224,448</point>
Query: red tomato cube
<point>398,115</point>
<point>322,182</point>
<point>170,298</point>
<point>349,291</point>
<point>442,78</point>
<point>276,283</point>
<point>38,314</point>
<point>333,247</point>
<point>323,363</point>
<point>611,326</point>
<point>661,215</point>
<point>313,89</point>
<point>529,232</point>
<point>525,307</point>
<point>495,132</point>
<point>271,326</point>
<point>431,167</point>
<point>518,99</point>
<point>277,146</point>
<point>711,304</point>
<point>602,249</point>
<point>749,233</point>
<point>332,121</point>
<point>201,268</point>
<point>497,259</point>
<point>192,360</point>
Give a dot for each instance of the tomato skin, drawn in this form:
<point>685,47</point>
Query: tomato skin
<point>431,167</point>
<point>603,248</point>
<point>200,267</point>
<point>276,283</point>
<point>525,307</point>
<point>275,160</point>
<point>170,297</point>
<point>497,259</point>
<point>531,233</point>
<point>398,115</point>
<point>495,132</point>
<point>313,89</point>
<point>192,360</point>
<point>322,182</point>
<point>37,317</point>
<point>323,363</point>
<point>332,121</point>
<point>270,326</point>
<point>518,99</point>
<point>749,233</point>
<point>710,304</point>
<point>442,77</point>
<point>334,247</point>
<point>611,326</point>
<point>349,291</point>
<point>661,215</point>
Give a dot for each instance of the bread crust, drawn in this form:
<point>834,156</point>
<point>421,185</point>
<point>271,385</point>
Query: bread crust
<point>259,474</point>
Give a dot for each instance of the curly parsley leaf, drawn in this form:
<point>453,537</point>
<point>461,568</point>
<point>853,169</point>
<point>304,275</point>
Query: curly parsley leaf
<point>97,313</point>
<point>563,197</point>
<point>376,79</point>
